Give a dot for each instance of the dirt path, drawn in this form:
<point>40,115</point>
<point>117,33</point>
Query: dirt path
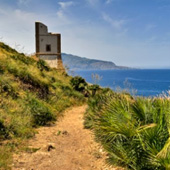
<point>64,146</point>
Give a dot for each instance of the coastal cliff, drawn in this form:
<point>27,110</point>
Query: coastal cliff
<point>81,63</point>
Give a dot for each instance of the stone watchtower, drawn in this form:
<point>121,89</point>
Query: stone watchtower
<point>48,46</point>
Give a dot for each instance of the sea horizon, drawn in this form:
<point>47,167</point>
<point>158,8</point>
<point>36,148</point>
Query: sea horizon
<point>142,82</point>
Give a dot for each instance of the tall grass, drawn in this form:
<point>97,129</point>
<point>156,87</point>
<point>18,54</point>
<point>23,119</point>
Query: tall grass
<point>31,95</point>
<point>134,131</point>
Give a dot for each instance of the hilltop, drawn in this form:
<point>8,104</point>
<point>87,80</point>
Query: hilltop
<point>31,95</point>
<point>74,62</point>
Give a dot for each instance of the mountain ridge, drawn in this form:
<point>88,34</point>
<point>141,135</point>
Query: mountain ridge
<point>82,63</point>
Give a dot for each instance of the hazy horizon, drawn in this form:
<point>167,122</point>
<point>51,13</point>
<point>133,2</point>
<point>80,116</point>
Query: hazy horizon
<point>129,33</point>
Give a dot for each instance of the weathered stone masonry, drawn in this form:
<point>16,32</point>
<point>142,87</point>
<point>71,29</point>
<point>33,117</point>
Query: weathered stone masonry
<point>48,46</point>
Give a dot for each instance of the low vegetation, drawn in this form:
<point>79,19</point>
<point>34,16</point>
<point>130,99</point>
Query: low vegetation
<point>135,131</point>
<point>31,95</point>
<point>88,90</point>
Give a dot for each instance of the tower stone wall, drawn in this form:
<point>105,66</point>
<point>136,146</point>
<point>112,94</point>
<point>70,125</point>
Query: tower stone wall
<point>48,46</point>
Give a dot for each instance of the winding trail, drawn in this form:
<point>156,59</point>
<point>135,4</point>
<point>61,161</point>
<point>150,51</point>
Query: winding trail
<point>64,146</point>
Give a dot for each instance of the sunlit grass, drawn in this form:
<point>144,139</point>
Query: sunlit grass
<point>31,94</point>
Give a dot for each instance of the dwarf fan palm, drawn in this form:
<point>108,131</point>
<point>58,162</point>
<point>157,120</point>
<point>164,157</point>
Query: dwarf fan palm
<point>135,132</point>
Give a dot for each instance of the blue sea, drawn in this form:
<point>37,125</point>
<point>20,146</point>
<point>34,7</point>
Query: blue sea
<point>143,82</point>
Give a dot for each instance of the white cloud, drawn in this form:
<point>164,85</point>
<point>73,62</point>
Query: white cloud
<point>65,5</point>
<point>22,29</point>
<point>93,3</point>
<point>3,12</point>
<point>96,2</point>
<point>61,13</point>
<point>21,15</point>
<point>23,2</point>
<point>108,1</point>
<point>117,24</point>
<point>150,27</point>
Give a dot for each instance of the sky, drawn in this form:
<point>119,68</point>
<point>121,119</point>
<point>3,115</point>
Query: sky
<point>134,33</point>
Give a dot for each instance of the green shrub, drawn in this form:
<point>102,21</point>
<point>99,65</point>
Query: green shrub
<point>3,131</point>
<point>42,65</point>
<point>1,70</point>
<point>78,83</point>
<point>53,80</point>
<point>41,114</point>
<point>28,78</point>
<point>8,89</point>
<point>135,132</point>
<point>94,88</point>
<point>21,57</point>
<point>7,48</point>
<point>76,95</point>
<point>65,88</point>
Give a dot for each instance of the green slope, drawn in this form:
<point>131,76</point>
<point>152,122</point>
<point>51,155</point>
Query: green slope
<point>31,94</point>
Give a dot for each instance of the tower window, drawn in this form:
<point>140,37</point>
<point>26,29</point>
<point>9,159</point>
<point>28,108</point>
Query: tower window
<point>48,47</point>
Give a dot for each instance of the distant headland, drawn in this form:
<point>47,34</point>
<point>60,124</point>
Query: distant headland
<point>81,63</point>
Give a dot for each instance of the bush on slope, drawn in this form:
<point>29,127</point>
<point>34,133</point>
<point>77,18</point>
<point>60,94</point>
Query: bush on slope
<point>134,131</point>
<point>31,94</point>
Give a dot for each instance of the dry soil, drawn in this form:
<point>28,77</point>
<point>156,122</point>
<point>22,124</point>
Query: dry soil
<point>64,146</point>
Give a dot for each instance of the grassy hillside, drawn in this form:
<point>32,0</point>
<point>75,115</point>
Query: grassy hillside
<point>31,95</point>
<point>80,63</point>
